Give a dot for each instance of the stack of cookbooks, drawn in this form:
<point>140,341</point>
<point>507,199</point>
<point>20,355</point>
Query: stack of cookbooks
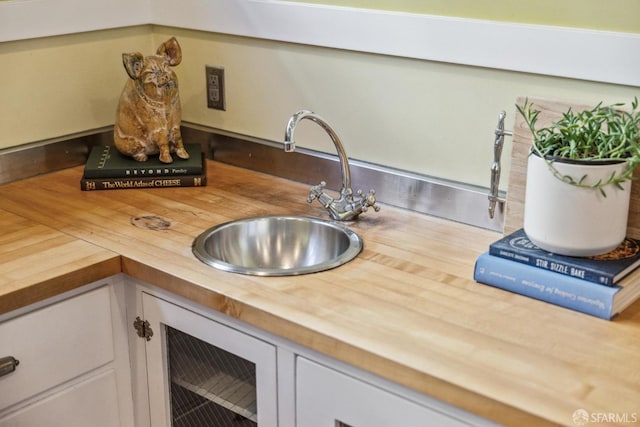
<point>601,286</point>
<point>108,169</point>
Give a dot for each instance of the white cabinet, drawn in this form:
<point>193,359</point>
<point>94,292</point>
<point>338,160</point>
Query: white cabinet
<point>73,363</point>
<point>202,372</point>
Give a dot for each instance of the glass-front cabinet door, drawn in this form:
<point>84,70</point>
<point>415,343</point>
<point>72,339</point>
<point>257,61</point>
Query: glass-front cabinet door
<point>202,373</point>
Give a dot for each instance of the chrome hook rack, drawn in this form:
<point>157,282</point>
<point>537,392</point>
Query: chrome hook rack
<point>494,192</point>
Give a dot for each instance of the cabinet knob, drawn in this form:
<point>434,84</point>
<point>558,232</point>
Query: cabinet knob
<point>8,364</point>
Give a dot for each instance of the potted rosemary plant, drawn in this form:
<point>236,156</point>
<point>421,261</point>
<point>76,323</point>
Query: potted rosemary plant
<point>579,176</point>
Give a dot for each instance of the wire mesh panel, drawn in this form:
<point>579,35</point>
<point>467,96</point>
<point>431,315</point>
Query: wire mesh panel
<point>210,387</point>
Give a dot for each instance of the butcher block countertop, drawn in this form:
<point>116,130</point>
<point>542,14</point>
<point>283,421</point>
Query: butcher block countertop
<point>38,262</point>
<point>406,309</point>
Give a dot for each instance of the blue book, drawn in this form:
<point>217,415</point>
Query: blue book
<point>562,290</point>
<point>607,269</point>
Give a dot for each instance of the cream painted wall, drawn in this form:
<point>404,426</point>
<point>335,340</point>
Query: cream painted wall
<point>57,86</point>
<point>427,117</point>
<point>613,15</point>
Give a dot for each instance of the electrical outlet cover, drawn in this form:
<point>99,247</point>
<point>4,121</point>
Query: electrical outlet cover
<point>215,88</point>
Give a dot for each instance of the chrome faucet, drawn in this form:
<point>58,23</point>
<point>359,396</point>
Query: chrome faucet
<point>347,207</point>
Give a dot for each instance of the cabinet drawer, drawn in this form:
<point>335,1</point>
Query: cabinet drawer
<point>326,398</point>
<point>93,402</point>
<point>55,344</point>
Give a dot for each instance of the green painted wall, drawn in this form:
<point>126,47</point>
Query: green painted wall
<point>613,15</point>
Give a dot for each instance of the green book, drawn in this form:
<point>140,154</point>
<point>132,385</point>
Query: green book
<point>105,161</point>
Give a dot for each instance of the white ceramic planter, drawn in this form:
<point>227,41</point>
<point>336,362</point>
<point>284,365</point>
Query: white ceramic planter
<point>568,220</point>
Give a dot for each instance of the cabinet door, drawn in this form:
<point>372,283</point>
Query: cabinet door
<point>329,398</point>
<point>201,372</point>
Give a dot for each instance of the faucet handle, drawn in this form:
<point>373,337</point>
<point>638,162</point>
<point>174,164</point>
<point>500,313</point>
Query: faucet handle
<point>316,191</point>
<point>368,201</point>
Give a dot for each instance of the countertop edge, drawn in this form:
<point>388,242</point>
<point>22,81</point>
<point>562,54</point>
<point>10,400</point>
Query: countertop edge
<point>60,283</point>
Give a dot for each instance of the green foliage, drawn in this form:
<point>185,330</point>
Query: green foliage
<point>603,133</point>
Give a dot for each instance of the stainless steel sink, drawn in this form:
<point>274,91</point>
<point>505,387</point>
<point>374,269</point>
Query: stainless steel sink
<point>277,245</point>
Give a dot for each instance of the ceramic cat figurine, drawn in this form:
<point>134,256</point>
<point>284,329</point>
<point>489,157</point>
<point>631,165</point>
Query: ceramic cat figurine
<point>149,112</point>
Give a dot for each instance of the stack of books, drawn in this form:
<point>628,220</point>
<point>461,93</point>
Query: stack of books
<point>599,286</point>
<point>108,169</point>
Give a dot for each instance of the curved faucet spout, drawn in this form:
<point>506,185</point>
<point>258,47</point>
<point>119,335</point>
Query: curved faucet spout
<point>347,207</point>
<point>290,143</point>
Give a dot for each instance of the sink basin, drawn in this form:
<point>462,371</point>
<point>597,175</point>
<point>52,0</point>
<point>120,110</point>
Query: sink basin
<point>277,245</point>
